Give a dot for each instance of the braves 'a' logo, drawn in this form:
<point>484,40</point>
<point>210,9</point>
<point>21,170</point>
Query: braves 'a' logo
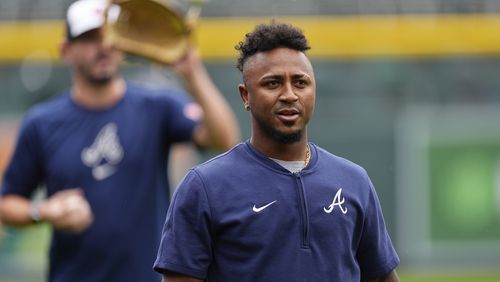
<point>338,201</point>
<point>104,153</point>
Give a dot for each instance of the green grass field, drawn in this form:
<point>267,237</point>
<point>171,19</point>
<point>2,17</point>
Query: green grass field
<point>404,277</point>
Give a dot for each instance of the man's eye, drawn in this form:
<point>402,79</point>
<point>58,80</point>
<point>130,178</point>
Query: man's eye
<point>301,83</point>
<point>272,84</point>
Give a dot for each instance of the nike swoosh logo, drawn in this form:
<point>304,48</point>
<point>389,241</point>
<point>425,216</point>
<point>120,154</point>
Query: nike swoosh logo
<point>256,209</point>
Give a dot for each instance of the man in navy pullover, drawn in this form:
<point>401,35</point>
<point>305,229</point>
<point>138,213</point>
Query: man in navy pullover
<point>277,207</point>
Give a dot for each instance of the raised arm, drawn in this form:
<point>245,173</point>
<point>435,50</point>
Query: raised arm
<point>219,129</point>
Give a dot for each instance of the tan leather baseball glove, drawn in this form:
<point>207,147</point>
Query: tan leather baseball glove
<point>154,29</point>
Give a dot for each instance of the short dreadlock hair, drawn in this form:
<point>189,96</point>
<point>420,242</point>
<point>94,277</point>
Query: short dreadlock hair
<point>266,37</point>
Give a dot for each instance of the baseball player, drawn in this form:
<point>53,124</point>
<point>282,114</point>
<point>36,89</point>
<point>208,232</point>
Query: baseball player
<point>277,207</point>
<point>101,150</point>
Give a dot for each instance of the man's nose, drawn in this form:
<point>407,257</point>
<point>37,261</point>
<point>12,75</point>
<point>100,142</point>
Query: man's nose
<point>288,93</point>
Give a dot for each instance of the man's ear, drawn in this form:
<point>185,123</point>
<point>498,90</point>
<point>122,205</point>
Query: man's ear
<point>243,93</point>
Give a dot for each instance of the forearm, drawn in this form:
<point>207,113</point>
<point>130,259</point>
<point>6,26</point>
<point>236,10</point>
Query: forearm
<point>66,210</point>
<point>15,210</point>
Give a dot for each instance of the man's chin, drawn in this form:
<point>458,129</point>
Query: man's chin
<point>284,135</point>
<point>101,79</point>
<point>287,137</point>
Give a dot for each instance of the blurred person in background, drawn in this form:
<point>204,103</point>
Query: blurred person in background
<point>277,207</point>
<point>101,150</point>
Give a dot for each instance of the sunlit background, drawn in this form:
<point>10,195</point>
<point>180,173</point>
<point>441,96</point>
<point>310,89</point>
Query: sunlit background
<point>409,89</point>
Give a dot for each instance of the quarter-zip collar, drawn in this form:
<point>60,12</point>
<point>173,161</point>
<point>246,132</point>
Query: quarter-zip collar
<point>266,161</point>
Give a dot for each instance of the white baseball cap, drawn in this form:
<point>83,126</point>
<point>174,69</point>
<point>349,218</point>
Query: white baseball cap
<point>86,15</point>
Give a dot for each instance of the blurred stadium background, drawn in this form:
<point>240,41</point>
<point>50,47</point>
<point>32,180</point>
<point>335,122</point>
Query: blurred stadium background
<point>409,89</point>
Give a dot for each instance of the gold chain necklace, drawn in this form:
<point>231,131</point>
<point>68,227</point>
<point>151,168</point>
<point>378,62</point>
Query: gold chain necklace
<point>308,155</point>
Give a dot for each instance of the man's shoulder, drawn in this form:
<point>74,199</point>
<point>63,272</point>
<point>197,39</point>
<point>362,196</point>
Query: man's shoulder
<point>52,108</point>
<point>225,160</point>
